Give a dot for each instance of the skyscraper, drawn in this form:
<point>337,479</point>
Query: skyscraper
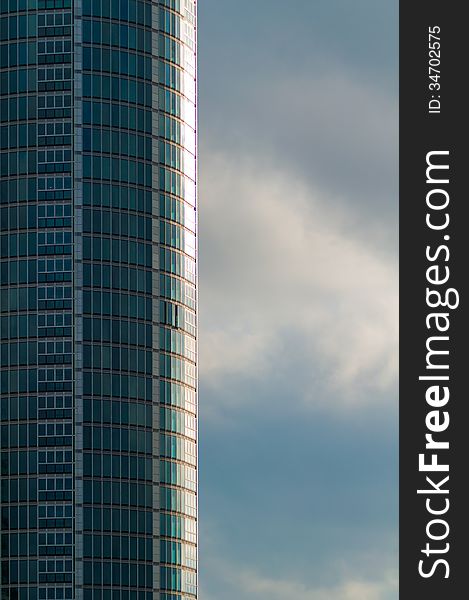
<point>98,431</point>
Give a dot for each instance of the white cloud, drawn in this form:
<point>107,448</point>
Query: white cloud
<point>260,587</point>
<point>280,264</point>
<point>247,583</point>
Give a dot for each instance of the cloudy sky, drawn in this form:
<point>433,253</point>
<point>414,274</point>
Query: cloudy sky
<point>298,299</point>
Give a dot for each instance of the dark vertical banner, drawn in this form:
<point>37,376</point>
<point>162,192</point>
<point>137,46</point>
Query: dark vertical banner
<point>434,269</point>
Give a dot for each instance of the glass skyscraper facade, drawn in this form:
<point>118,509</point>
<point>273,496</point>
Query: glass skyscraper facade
<point>98,407</point>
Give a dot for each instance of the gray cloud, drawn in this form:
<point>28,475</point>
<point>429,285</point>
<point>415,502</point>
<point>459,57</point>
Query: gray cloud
<point>245,37</point>
<point>316,91</point>
<point>242,582</point>
<point>286,281</point>
<point>329,131</point>
<point>298,289</point>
